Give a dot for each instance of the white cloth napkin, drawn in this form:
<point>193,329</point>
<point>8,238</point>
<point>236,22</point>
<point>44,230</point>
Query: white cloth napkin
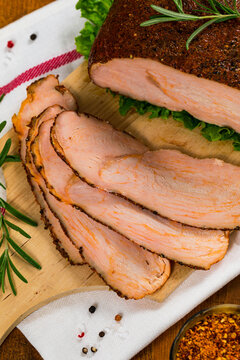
<point>54,329</point>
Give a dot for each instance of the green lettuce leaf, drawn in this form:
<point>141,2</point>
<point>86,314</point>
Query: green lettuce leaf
<point>95,11</point>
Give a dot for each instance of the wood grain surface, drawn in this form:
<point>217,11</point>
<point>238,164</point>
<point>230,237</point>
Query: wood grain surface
<point>16,346</point>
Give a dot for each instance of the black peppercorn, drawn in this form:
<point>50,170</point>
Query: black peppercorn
<point>84,350</point>
<point>33,37</point>
<point>93,349</point>
<point>92,309</point>
<point>101,334</point>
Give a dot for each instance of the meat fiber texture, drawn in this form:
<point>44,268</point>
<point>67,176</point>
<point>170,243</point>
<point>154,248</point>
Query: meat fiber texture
<point>152,64</point>
<point>132,271</point>
<point>188,245</point>
<point>172,184</point>
<point>34,104</point>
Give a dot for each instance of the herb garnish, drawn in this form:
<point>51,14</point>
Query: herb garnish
<point>215,13</point>
<point>6,241</point>
<point>1,97</point>
<point>84,43</point>
<point>95,11</point>
<point>211,132</point>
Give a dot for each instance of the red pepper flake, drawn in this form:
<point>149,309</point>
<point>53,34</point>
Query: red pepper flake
<point>81,335</point>
<point>10,44</point>
<point>118,317</point>
<point>215,337</point>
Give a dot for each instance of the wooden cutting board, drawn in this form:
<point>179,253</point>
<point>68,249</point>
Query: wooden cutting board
<point>57,278</point>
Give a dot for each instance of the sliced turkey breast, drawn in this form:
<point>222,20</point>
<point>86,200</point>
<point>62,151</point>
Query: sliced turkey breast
<point>188,245</point>
<point>34,104</point>
<point>152,64</point>
<point>127,268</point>
<point>201,193</point>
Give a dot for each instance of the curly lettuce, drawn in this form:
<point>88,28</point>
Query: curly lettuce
<point>95,12</point>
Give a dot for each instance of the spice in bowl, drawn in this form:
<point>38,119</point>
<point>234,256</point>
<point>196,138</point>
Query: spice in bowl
<point>212,334</point>
<point>216,337</point>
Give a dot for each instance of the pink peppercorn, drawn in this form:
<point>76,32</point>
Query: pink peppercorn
<point>10,44</point>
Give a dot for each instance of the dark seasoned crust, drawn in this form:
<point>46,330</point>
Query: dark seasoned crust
<point>214,54</point>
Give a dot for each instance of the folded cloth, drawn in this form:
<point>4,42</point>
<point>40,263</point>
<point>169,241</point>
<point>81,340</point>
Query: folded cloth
<point>60,330</point>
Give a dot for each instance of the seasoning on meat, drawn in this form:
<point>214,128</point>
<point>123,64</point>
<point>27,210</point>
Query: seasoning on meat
<point>153,65</point>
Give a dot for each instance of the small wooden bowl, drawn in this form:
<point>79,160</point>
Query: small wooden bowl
<point>223,308</point>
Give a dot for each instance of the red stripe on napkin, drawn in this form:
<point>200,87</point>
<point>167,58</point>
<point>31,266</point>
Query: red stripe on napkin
<point>41,69</point>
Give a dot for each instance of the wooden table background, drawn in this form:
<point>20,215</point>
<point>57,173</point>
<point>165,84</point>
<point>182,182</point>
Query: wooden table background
<point>16,346</point>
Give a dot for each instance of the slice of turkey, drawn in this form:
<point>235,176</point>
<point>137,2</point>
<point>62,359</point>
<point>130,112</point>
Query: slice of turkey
<point>41,94</point>
<point>199,192</point>
<point>188,245</point>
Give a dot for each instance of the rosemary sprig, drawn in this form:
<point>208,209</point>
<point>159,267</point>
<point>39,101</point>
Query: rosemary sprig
<point>6,265</point>
<point>215,13</point>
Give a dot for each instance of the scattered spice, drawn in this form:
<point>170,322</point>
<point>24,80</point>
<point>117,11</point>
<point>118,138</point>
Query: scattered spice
<point>33,37</point>
<point>118,317</point>
<point>93,349</point>
<point>215,337</point>
<point>92,309</point>
<point>10,44</point>
<point>101,334</point>
<point>85,350</point>
<point>81,335</point>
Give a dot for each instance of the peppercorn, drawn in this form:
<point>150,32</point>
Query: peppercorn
<point>92,309</point>
<point>10,44</point>
<point>33,37</point>
<point>217,336</point>
<point>101,334</point>
<point>118,317</point>
<point>85,350</point>
<point>93,349</point>
<point>81,335</point>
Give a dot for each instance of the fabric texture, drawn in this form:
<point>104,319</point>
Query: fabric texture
<point>54,330</point>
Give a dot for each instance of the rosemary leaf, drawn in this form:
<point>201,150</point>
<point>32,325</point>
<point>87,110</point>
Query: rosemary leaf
<point>179,5</point>
<point>17,213</point>
<point>5,151</point>
<point>12,158</point>
<point>15,270</point>
<point>173,14</point>
<point>224,8</point>
<point>3,272</point>
<point>235,7</point>
<point>158,20</point>
<point>17,228</point>
<point>10,280</point>
<point>1,259</point>
<point>4,187</point>
<point>1,97</point>
<point>23,254</point>
<point>205,8</point>
<point>2,125</point>
<point>1,242</point>
<point>212,3</point>
<point>197,32</point>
